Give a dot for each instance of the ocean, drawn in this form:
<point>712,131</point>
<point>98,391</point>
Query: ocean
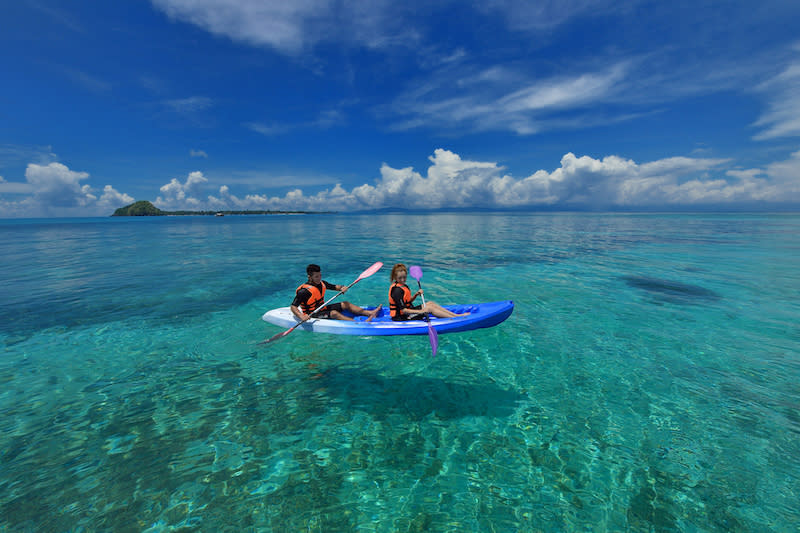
<point>648,379</point>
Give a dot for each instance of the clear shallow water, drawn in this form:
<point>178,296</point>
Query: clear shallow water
<point>648,380</point>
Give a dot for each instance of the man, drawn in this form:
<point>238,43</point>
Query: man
<point>310,295</point>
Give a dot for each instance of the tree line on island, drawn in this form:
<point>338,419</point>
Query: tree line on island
<point>143,208</point>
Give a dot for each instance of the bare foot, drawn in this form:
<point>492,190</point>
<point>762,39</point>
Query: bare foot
<point>374,313</point>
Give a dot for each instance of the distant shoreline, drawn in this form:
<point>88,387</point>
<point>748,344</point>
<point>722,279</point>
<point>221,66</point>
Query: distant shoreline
<point>144,208</point>
<point>225,213</point>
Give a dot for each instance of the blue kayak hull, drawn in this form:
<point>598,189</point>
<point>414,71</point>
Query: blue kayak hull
<point>484,315</point>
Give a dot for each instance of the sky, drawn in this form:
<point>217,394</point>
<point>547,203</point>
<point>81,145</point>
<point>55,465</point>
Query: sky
<point>373,104</point>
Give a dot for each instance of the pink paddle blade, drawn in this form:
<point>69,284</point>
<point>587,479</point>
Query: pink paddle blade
<point>416,272</point>
<point>371,270</point>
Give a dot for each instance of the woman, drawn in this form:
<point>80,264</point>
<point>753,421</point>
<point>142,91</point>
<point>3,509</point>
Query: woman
<point>401,300</point>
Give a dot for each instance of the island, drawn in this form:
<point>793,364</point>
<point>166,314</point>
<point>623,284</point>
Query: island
<point>143,208</point>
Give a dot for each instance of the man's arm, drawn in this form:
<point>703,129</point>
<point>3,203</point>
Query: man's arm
<point>333,287</point>
<point>298,313</point>
<point>302,297</point>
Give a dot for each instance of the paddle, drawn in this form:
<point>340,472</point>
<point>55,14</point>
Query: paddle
<point>367,273</point>
<point>416,273</point>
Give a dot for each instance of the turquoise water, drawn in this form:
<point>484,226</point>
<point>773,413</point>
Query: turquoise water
<point>648,380</point>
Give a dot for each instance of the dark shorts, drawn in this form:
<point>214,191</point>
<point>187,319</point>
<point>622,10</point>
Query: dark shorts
<point>325,312</point>
<point>402,318</point>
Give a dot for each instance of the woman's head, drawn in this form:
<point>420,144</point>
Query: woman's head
<point>397,270</point>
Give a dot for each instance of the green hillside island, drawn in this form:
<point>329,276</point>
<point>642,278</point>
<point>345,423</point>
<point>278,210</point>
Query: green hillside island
<point>144,208</point>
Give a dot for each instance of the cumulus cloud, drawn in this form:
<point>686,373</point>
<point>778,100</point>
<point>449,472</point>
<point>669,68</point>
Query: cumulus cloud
<point>111,198</point>
<point>578,183</point>
<point>177,195</point>
<point>58,186</point>
<point>449,182</point>
<point>55,190</point>
<point>453,182</point>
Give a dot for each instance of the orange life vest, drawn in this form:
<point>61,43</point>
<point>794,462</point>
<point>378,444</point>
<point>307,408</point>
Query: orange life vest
<point>317,297</point>
<point>393,311</point>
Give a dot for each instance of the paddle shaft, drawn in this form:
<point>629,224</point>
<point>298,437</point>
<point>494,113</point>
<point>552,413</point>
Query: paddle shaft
<point>432,334</point>
<point>422,295</point>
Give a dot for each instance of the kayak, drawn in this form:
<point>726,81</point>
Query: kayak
<point>484,315</point>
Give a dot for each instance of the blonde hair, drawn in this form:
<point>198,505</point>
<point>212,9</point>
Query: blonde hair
<point>395,269</point>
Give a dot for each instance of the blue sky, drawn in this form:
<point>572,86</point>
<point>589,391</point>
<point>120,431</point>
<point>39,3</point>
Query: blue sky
<point>359,105</point>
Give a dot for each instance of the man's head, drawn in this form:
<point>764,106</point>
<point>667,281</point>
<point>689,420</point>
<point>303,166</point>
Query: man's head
<point>314,273</point>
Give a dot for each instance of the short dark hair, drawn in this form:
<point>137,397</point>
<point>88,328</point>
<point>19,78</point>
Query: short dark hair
<point>310,269</point>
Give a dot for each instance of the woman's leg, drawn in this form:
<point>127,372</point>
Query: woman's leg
<point>356,310</point>
<point>439,311</point>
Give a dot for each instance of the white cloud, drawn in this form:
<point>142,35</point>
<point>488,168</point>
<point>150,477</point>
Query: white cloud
<point>564,93</point>
<point>327,118</point>
<point>189,105</point>
<point>450,182</point>
<point>14,154</point>
<point>579,182</point>
<point>543,15</point>
<point>482,102</point>
<point>58,186</point>
<point>55,190</point>
<point>277,24</point>
<point>785,178</point>
<point>268,129</point>
<point>198,153</point>
<point>177,195</point>
<point>612,82</point>
<point>111,198</point>
<point>782,118</point>
<point>291,27</point>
